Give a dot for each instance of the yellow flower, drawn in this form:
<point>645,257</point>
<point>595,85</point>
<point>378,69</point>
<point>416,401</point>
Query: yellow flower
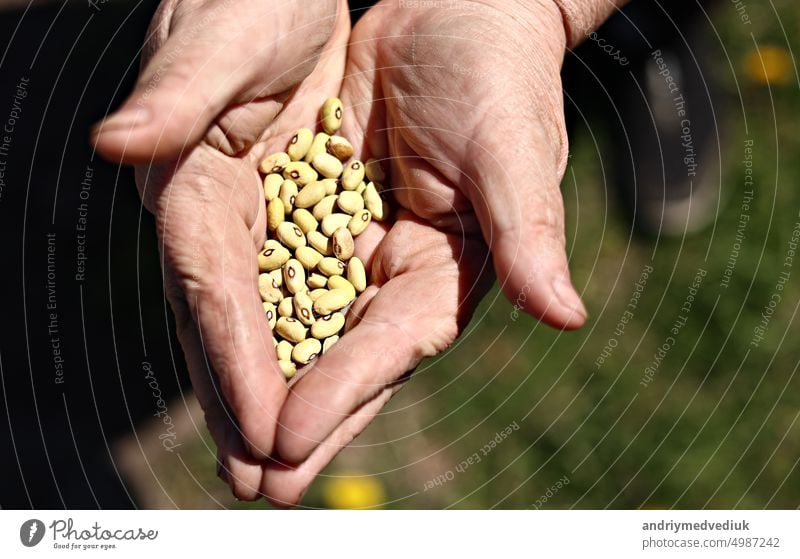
<point>769,65</point>
<point>353,491</point>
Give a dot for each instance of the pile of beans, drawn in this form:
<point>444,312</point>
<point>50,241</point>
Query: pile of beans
<point>318,200</point>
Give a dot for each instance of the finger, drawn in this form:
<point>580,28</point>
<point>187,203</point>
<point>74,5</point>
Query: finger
<point>429,282</point>
<point>212,254</point>
<point>234,465</point>
<point>208,58</point>
<point>284,485</point>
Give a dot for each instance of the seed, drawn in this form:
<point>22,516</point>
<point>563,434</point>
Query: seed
<point>324,207</point>
<point>362,186</point>
<point>269,294</point>
<point>277,278</point>
<point>299,144</point>
<point>317,293</point>
<point>340,148</point>
<point>286,307</point>
<point>356,274</point>
<point>290,235</point>
<point>373,202</point>
<point>328,343</point>
<point>300,172</point>
<point>375,171</point>
<point>358,223</point>
<point>272,186</point>
<point>289,369</point>
<point>291,329</point>
<point>287,195</point>
<point>294,277</point>
<point>284,350</point>
<point>274,163</point>
<point>320,243</point>
<point>327,165</point>
<point>331,266</point>
<point>343,245</point>
<point>315,281</point>
<point>308,257</point>
<point>331,115</point>
<point>332,222</point>
<point>350,202</point>
<point>330,186</point>
<point>306,351</point>
<point>275,214</point>
<point>271,312</point>
<point>305,220</point>
<point>274,255</point>
<point>352,175</point>
<point>338,282</point>
<point>317,146</point>
<point>303,306</point>
<point>331,301</point>
<point>327,325</point>
<point>310,195</point>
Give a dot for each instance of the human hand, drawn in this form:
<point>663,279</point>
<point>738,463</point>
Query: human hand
<point>464,103</point>
<point>222,83</point>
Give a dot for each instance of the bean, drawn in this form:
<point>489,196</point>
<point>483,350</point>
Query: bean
<point>317,146</point>
<point>317,293</point>
<point>352,175</point>
<point>330,186</point>
<point>288,368</point>
<point>373,201</point>
<point>328,325</point>
<point>338,282</point>
<point>324,207</point>
<point>331,301</point>
<point>300,172</point>
<point>350,202</point>
<point>303,308</point>
<point>294,277</point>
<point>272,256</point>
<point>272,186</point>
<point>306,351</point>
<point>305,220</point>
<point>308,257</point>
<point>328,343</point>
<point>327,165</point>
<point>343,246</point>
<point>340,148</point>
<point>271,312</point>
<point>359,222</point>
<point>269,293</point>
<point>315,281</point>
<point>287,195</point>
<point>284,350</point>
<point>331,115</point>
<point>286,307</point>
<point>332,222</point>
<point>274,163</point>
<point>331,266</point>
<point>320,243</point>
<point>356,274</point>
<point>277,278</point>
<point>291,329</point>
<point>275,214</point>
<point>290,235</point>
<point>310,195</point>
<point>300,144</point>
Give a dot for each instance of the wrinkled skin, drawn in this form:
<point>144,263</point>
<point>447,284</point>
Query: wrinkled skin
<point>471,128</point>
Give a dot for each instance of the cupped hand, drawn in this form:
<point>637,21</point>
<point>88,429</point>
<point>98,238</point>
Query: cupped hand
<point>462,102</point>
<point>222,83</point>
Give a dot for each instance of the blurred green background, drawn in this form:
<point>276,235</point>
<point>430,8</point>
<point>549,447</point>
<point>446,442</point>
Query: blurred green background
<point>716,426</point>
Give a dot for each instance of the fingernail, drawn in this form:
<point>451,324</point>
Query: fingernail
<point>568,297</point>
<point>124,120</point>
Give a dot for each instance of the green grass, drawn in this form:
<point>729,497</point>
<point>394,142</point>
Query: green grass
<point>715,427</point>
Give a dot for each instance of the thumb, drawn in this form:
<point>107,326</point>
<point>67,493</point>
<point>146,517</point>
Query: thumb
<point>201,60</point>
<point>521,213</point>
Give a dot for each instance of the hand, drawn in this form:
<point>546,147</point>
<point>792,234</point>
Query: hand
<point>465,105</point>
<point>222,84</point>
